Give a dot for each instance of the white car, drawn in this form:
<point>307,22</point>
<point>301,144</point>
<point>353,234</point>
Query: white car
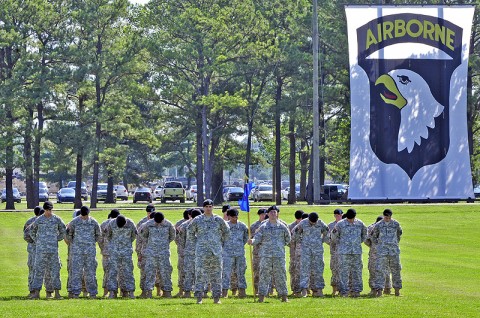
<point>122,192</point>
<point>262,192</point>
<point>191,192</point>
<point>157,193</point>
<point>287,189</point>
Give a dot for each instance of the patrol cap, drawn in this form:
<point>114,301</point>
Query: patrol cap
<point>298,214</point>
<point>159,217</point>
<point>150,208</point>
<point>232,212</point>
<point>77,212</point>
<point>273,207</point>
<point>351,214</point>
<point>304,216</point>
<point>151,215</point>
<point>337,211</point>
<point>261,211</point>
<point>114,213</point>
<point>121,221</point>
<point>47,205</point>
<point>36,210</point>
<point>225,208</point>
<point>207,202</point>
<point>84,210</point>
<point>313,217</point>
<point>195,213</point>
<point>387,212</point>
<point>187,213</point>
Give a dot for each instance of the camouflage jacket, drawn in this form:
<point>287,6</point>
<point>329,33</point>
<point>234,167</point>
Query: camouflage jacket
<point>311,236</point>
<point>120,239</point>
<point>235,245</point>
<point>83,235</point>
<point>140,243</point>
<point>387,236</point>
<point>272,239</point>
<point>349,236</point>
<point>46,232</point>
<point>188,247</point>
<point>210,233</point>
<point>26,234</point>
<point>157,237</point>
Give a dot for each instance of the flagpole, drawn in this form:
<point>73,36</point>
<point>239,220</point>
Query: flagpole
<point>251,257</point>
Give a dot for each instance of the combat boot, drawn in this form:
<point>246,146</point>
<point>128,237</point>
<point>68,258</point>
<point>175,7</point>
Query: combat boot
<point>304,293</point>
<point>397,291</point>
<point>35,294</point>
<point>105,292</point>
<point>355,294</point>
<point>85,294</point>
<point>124,294</point>
<point>378,293</point>
<point>167,294</point>
<point>216,300</point>
<point>48,295</point>
<point>387,291</point>
<point>234,292</point>
<point>179,294</point>
<point>187,294</point>
<point>242,293</point>
<point>147,294</point>
<point>72,296</point>
<point>131,295</point>
<point>224,293</point>
<point>159,291</point>
<point>143,294</point>
<point>285,299</point>
<point>318,293</point>
<point>57,294</point>
<point>199,299</point>
<point>334,291</point>
<point>261,298</point>
<point>112,294</point>
<point>92,296</point>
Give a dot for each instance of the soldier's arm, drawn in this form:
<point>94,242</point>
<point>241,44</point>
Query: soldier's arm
<point>191,232</point>
<point>134,232</point>
<point>287,236</point>
<point>98,233</point>
<point>172,233</point>
<point>325,237</point>
<point>399,232</point>
<point>69,233</point>
<point>364,233</point>
<point>225,231</point>
<point>257,239</point>
<point>62,230</point>
<point>26,233</point>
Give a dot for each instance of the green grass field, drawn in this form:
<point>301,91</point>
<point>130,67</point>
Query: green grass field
<point>440,258</point>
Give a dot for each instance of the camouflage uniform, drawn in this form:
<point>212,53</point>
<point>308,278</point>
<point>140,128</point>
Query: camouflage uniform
<point>103,243</point>
<point>387,236</point>
<point>210,233</point>
<point>255,257</point>
<point>46,232</point>
<point>83,235</point>
<point>139,249</point>
<point>31,257</point>
<point>181,272</point>
<point>373,261</point>
<point>157,238</point>
<point>349,237</point>
<point>334,258</point>
<point>272,239</point>
<point>234,255</point>
<point>294,267</point>
<point>188,248</point>
<point>311,237</point>
<point>121,250</point>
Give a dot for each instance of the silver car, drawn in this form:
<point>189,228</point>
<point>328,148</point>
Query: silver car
<point>102,193</point>
<point>16,195</point>
<point>263,192</point>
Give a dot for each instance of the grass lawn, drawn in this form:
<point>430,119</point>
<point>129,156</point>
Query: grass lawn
<point>440,258</point>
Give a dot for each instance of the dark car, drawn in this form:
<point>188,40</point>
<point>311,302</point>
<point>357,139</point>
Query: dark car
<point>16,195</point>
<point>233,193</point>
<point>66,195</point>
<point>143,194</point>
<point>71,184</point>
<point>333,192</point>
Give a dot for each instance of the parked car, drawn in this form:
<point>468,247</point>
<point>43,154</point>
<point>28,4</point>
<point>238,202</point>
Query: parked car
<point>43,194</point>
<point>287,190</point>
<point>102,192</point>
<point>71,184</point>
<point>191,192</point>
<point>196,193</point>
<point>262,192</point>
<point>66,195</point>
<point>476,191</point>
<point>233,193</point>
<point>333,192</point>
<point>143,194</point>
<point>16,195</point>
<point>173,190</point>
<point>121,191</point>
<point>158,192</point>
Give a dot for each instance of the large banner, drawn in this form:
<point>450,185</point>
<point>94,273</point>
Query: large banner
<point>408,79</point>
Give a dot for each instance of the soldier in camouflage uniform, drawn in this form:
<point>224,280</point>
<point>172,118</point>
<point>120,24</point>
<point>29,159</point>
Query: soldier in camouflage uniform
<point>372,261</point>
<point>188,248</point>
<point>46,231</point>
<point>255,257</point>
<point>181,273</point>
<point>103,243</point>
<point>157,235</point>
<point>349,234</point>
<point>210,232</point>
<point>83,232</point>
<point>140,247</point>
<point>272,236</point>
<point>234,254</point>
<point>310,234</point>
<point>334,263</point>
<point>386,234</point>
<point>233,278</point>
<point>120,233</point>
<point>295,252</point>
<point>31,254</point>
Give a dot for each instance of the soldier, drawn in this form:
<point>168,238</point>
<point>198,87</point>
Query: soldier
<point>386,234</point>
<point>140,246</point>
<point>255,258</point>
<point>234,278</point>
<point>272,237</point>
<point>311,233</point>
<point>334,265</point>
<point>234,255</point>
<point>349,234</point>
<point>31,254</point>
<point>103,243</point>
<point>83,233</point>
<point>210,232</point>
<point>188,248</point>
<point>295,252</point>
<point>157,234</point>
<point>187,214</point>
<point>121,233</point>
<point>46,231</point>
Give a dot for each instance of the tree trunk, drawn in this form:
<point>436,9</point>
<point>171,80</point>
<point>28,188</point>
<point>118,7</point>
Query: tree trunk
<point>292,197</point>
<point>310,187</point>
<point>78,179</point>
<point>110,196</point>
<point>206,156</point>
<point>37,144</point>
<point>199,148</point>
<point>31,186</point>
<point>278,172</point>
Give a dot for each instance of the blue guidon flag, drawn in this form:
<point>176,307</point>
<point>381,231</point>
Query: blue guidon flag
<point>408,71</point>
<point>244,203</point>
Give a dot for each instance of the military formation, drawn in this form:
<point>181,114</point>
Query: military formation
<point>211,254</point>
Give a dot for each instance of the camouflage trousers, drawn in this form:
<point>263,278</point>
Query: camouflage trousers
<point>121,266</point>
<point>181,271</point>
<point>294,270</point>
<point>374,272</point>
<point>385,265</point>
<point>31,272</point>
<point>255,267</point>
<point>334,268</point>
<point>141,267</point>
<point>83,267</point>
<point>311,270</point>
<point>106,266</point>
<point>350,275</point>
<point>47,265</point>
<point>273,267</point>
<point>208,269</point>
<point>158,266</point>
<point>234,265</point>
<point>189,271</point>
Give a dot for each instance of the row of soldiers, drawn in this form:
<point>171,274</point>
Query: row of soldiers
<point>211,253</point>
